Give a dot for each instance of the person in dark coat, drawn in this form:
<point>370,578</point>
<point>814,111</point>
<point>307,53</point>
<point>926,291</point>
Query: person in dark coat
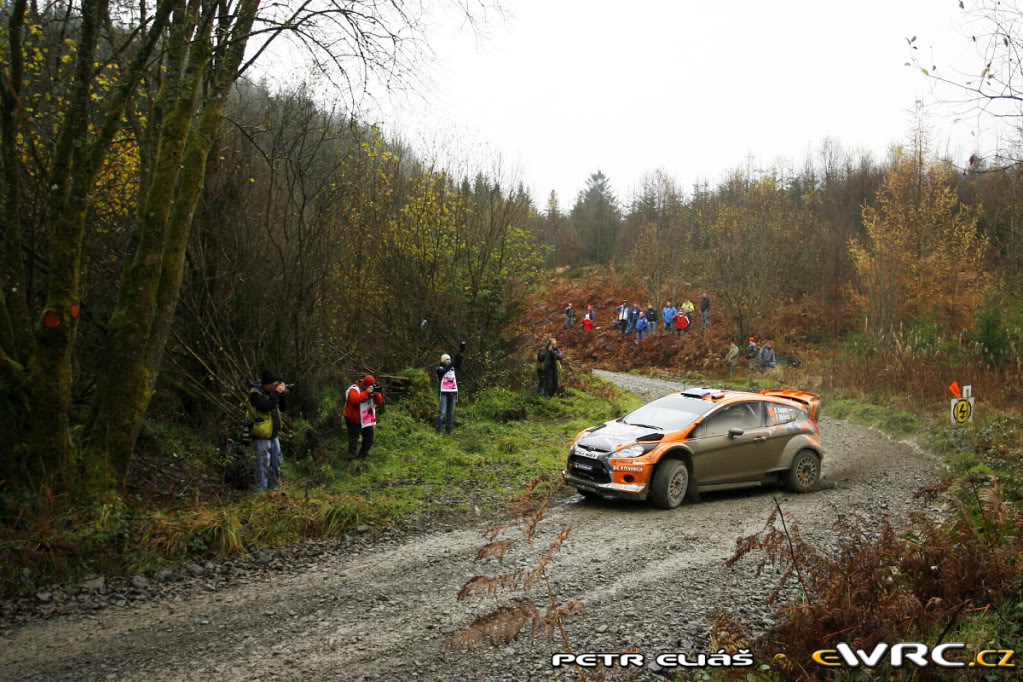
<point>552,368</point>
<point>705,310</point>
<point>634,312</point>
<point>266,400</point>
<point>569,317</point>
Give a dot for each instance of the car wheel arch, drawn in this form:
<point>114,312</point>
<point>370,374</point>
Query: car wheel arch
<point>797,445</point>
<point>685,455</point>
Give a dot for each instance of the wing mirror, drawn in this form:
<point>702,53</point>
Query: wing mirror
<point>734,431</point>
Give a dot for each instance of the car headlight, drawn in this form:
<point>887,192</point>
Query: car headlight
<point>636,450</point>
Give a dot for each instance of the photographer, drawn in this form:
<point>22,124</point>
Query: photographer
<point>551,368</point>
<point>266,400</point>
<point>360,412</point>
<point>448,387</point>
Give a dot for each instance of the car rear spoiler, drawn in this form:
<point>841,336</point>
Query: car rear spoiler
<point>810,400</point>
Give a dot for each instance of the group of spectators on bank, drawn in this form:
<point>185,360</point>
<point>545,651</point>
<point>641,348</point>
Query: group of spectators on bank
<point>762,357</point>
<point>633,319</point>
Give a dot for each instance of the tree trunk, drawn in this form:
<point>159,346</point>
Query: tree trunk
<point>15,324</point>
<point>141,321</point>
<point>46,457</point>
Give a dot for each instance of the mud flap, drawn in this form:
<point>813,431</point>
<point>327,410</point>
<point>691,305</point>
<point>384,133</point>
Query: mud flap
<point>692,492</point>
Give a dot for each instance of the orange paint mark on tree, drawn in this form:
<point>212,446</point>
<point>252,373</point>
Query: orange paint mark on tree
<point>51,319</point>
<point>74,311</point>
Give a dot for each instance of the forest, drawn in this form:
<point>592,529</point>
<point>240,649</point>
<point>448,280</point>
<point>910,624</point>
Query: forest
<point>171,226</point>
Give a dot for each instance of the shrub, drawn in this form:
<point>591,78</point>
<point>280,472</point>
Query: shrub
<point>922,333</point>
<point>990,333</point>
<point>860,344</point>
<point>420,399</point>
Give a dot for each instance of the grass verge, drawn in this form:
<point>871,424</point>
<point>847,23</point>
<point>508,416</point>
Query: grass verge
<point>502,440</point>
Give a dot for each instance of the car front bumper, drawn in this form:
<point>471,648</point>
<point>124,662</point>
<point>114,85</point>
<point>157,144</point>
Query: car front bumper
<point>630,491</point>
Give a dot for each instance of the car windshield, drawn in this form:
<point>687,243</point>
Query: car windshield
<point>669,413</point>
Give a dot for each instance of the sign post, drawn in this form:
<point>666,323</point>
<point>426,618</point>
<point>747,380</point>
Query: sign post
<point>962,404</point>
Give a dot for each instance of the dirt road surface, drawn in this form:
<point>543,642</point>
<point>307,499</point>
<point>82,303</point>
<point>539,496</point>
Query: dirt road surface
<point>647,578</point>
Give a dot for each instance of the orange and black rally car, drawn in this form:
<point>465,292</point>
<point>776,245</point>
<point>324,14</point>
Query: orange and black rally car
<point>699,440</point>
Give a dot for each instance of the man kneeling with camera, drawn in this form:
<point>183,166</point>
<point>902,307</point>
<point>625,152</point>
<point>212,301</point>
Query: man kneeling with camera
<point>360,413</point>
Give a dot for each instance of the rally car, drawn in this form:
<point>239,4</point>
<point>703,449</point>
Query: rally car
<point>699,440</point>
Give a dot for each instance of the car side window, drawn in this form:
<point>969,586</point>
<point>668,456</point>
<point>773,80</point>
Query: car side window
<point>743,416</point>
<point>781,414</point>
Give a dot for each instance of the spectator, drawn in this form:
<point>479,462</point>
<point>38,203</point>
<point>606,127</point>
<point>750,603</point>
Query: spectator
<point>623,316</point>
<point>587,323</point>
<point>681,323</point>
<point>552,368</point>
<point>668,315</point>
<point>589,313</point>
<point>705,310</point>
<point>751,354</point>
<point>687,307</point>
<point>266,400</point>
<point>569,317</point>
<point>541,359</point>
<point>767,357</point>
<point>361,400</point>
<point>447,388</point>
<point>733,353</point>
<point>651,318</point>
<point>634,312</point>
<point>642,325</point>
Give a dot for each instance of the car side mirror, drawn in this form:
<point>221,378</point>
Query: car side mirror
<point>734,431</point>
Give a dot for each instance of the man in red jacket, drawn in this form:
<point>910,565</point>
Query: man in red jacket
<point>361,400</point>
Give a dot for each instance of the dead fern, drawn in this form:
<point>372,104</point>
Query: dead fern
<point>880,585</point>
<point>506,623</point>
<point>494,549</point>
<point>499,627</point>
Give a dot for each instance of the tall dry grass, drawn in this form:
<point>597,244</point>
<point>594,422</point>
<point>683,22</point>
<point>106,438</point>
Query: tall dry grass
<point>923,376</point>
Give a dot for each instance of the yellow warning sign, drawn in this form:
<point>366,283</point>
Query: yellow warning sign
<point>962,410</point>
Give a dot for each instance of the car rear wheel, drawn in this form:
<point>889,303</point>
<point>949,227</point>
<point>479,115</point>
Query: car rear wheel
<point>589,494</point>
<point>670,484</point>
<point>804,473</point>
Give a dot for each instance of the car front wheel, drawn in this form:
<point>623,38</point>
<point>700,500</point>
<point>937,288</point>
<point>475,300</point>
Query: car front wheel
<point>805,472</point>
<point>670,484</point>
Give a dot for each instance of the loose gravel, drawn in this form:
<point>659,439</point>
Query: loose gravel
<point>378,605</point>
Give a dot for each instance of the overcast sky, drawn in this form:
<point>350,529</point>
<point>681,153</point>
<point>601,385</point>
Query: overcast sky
<point>561,88</point>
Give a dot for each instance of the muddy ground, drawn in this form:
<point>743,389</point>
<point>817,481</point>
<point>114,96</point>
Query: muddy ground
<point>380,610</point>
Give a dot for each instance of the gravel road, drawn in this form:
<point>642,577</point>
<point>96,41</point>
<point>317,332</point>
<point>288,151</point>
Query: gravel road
<point>380,610</point>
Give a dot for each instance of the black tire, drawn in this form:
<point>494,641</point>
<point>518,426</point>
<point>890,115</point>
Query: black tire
<point>670,484</point>
<point>589,494</point>
<point>805,472</point>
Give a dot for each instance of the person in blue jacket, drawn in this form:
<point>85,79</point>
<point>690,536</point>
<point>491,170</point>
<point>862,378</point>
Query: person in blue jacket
<point>668,315</point>
<point>641,326</point>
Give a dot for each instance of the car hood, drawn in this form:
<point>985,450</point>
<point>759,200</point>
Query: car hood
<point>614,434</point>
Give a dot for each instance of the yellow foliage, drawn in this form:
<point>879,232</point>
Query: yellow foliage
<point>922,251</point>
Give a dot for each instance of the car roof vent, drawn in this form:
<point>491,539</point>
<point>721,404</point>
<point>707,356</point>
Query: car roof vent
<point>703,392</point>
<point>697,392</point>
